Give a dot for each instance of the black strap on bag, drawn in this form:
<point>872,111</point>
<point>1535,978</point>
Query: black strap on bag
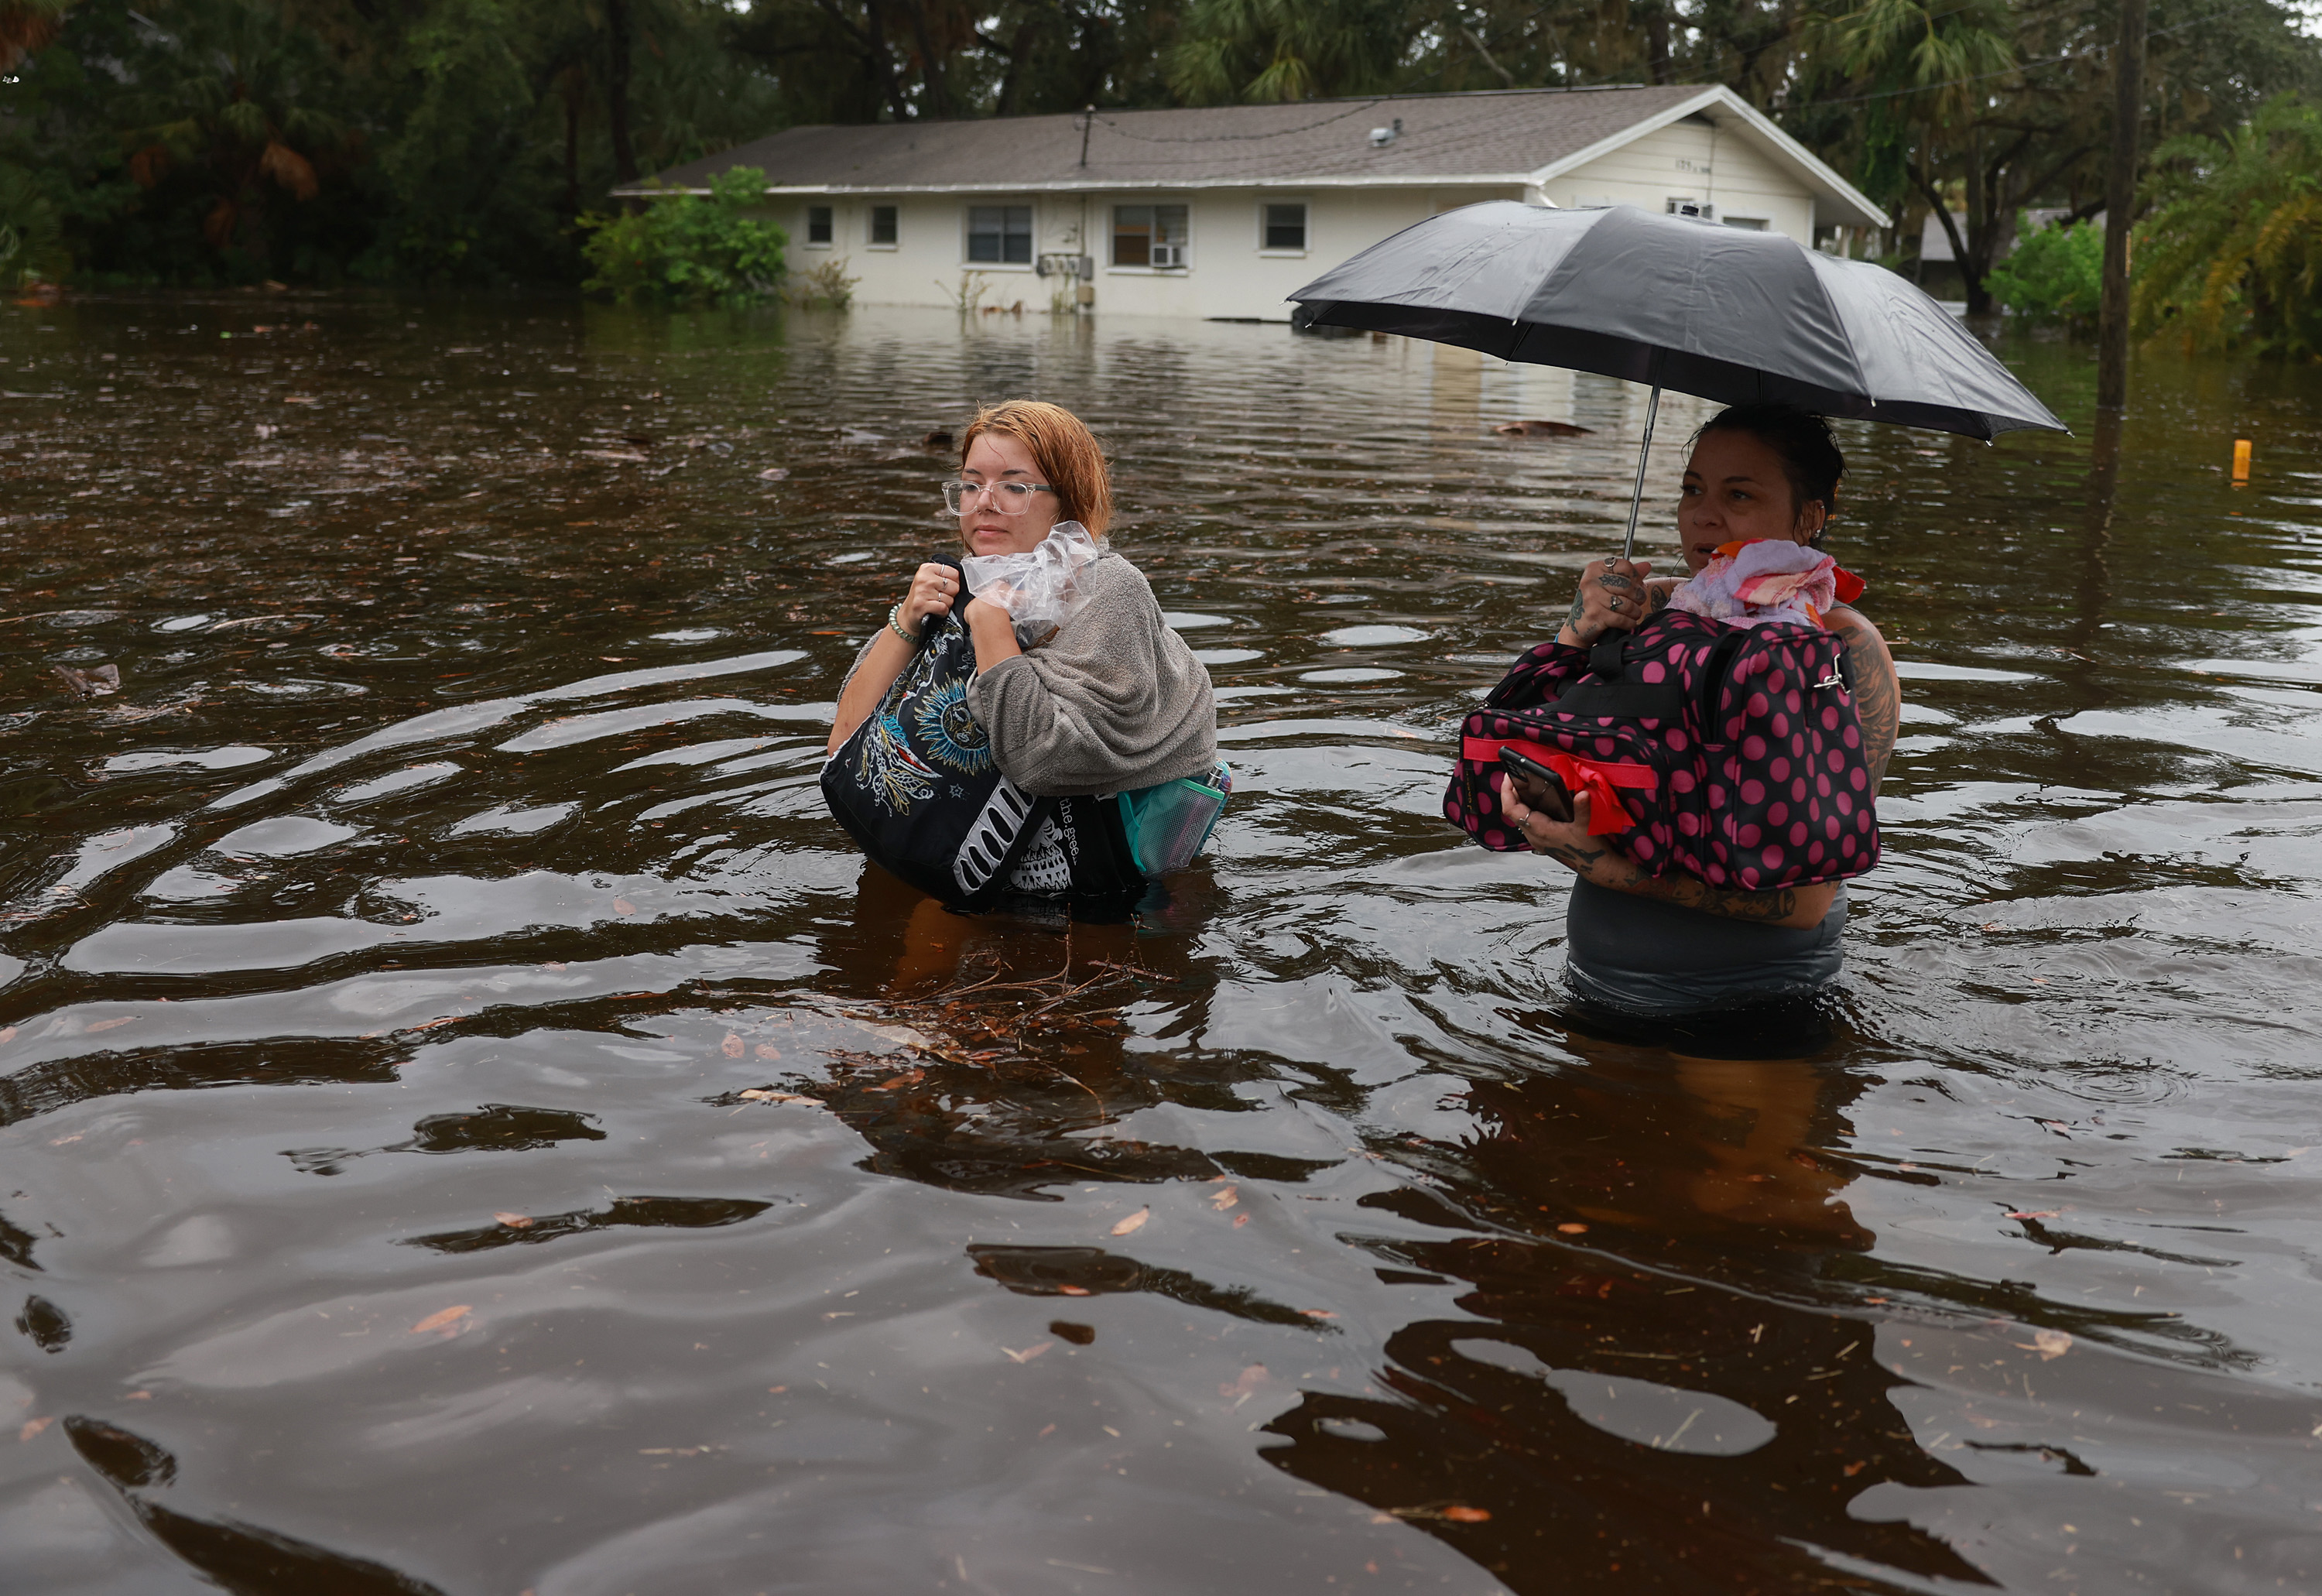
<point>1609,695</point>
<point>1606,691</point>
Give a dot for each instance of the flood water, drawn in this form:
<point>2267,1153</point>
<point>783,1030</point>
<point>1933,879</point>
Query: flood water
<point>384,962</point>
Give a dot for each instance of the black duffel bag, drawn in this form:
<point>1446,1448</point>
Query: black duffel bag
<point>916,787</point>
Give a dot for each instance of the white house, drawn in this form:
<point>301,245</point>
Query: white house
<point>1218,212</point>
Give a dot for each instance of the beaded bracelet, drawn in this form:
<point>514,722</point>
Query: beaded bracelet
<point>895,624</point>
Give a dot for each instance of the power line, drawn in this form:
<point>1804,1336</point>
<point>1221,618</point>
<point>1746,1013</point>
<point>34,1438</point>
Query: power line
<point>1280,133</point>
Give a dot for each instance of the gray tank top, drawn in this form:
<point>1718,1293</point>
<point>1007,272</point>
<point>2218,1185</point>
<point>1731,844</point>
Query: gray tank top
<point>1644,956</point>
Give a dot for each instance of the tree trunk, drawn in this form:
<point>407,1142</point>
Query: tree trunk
<point>881,59</point>
<point>1976,258</point>
<point>1020,57</point>
<point>1656,41</point>
<point>616,91</point>
<point>2120,202</point>
<point>1950,231</point>
<point>575,78</point>
<point>931,66</point>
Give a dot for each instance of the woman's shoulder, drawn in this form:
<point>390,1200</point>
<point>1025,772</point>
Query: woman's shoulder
<point>1113,569</point>
<point>1847,614</point>
<point>1115,585</point>
<point>1852,626</point>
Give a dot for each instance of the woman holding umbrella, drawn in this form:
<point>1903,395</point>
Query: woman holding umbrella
<point>1787,335</point>
<point>1674,943</point>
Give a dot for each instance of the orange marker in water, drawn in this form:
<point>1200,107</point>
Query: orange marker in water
<point>2240,460</point>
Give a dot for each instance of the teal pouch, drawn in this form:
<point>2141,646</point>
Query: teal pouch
<point>1168,825</point>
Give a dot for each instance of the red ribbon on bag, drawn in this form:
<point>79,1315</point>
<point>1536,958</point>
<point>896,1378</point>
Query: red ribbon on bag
<point>1597,777</point>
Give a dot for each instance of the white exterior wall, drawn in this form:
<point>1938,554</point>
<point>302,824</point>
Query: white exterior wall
<point>1691,159</point>
<point>1226,275</point>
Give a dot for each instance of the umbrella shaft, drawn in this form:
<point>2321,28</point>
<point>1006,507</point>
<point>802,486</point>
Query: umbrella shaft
<point>1645,452</point>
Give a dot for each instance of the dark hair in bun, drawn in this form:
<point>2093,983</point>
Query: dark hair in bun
<point>1811,461</point>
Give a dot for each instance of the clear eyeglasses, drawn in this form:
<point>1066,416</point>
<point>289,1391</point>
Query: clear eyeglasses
<point>1009,498</point>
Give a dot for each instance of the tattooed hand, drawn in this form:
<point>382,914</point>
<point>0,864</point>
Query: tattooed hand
<point>1612,596</point>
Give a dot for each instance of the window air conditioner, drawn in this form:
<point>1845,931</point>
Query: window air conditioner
<point>1168,256</point>
<point>1693,208</point>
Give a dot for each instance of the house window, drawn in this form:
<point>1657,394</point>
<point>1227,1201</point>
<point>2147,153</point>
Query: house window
<point>1746,224</point>
<point>1149,235</point>
<point>1285,227</point>
<point>817,225</point>
<point>883,227</point>
<point>1002,235</point>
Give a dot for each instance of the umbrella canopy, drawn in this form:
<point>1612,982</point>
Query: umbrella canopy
<point>1727,315</point>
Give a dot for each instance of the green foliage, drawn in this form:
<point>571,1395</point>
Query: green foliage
<point>1991,105</point>
<point>31,238</point>
<point>206,141</point>
<point>2232,253</point>
<point>688,249</point>
<point>227,130</point>
<point>2055,271</point>
<point>1286,49</point>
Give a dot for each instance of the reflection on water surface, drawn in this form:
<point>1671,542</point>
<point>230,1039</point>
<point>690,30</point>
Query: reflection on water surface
<point>470,1125</point>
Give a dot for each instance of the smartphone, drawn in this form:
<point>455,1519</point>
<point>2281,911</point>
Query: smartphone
<point>1551,797</point>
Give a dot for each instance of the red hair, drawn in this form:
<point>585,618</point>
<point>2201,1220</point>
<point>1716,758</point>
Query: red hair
<point>1062,446</point>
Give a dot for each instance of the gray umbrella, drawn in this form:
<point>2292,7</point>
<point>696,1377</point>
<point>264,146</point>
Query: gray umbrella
<point>1720,313</point>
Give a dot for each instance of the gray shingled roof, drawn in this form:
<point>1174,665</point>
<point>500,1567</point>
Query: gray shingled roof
<point>1496,135</point>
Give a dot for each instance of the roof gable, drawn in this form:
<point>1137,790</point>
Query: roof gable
<point>1850,207</point>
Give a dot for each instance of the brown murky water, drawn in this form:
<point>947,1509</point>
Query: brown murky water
<point>384,962</point>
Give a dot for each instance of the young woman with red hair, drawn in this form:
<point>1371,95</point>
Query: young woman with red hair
<point>1112,702</point>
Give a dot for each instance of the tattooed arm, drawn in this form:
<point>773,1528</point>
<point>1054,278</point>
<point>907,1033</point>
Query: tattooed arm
<point>1569,845</point>
<point>1878,696</point>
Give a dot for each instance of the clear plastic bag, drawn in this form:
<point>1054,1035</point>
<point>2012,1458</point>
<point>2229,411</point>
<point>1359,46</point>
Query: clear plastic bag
<point>1036,589</point>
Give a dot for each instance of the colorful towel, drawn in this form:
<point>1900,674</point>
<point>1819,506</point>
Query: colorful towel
<point>1763,579</point>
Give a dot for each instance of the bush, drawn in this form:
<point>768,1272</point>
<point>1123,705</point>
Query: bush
<point>825,287</point>
<point>2055,271</point>
<point>688,249</point>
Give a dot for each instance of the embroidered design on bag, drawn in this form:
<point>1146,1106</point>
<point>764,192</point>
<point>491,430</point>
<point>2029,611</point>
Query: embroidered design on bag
<point>894,776</point>
<point>992,836</point>
<point>949,732</point>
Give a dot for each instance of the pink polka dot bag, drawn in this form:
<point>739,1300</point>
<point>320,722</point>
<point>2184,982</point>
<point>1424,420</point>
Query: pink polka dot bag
<point>1732,753</point>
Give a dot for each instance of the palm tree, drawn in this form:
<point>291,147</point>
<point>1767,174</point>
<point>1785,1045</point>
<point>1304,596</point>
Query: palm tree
<point>1284,49</point>
<point>1927,71</point>
<point>234,119</point>
<point>2233,250</point>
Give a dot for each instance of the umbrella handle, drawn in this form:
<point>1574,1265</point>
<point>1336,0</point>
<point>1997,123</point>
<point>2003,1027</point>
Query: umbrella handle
<point>1637,500</point>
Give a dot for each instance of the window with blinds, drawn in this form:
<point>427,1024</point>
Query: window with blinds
<point>999,235</point>
<point>1284,227</point>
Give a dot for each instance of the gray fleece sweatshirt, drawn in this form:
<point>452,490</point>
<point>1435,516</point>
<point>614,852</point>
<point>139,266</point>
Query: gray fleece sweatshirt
<point>1113,702</point>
